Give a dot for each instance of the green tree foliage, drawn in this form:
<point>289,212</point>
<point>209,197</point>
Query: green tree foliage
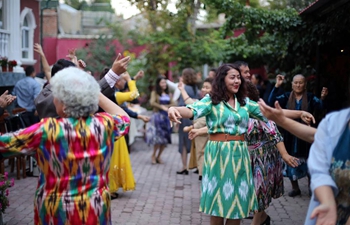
<point>251,3</point>
<point>95,5</point>
<point>77,4</point>
<point>173,37</point>
<point>280,39</point>
<point>98,55</point>
<point>282,4</point>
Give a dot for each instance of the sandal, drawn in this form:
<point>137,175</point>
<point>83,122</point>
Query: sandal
<point>114,196</point>
<point>154,161</point>
<point>159,161</point>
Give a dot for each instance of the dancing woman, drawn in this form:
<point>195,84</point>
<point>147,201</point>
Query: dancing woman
<point>73,152</point>
<point>227,184</point>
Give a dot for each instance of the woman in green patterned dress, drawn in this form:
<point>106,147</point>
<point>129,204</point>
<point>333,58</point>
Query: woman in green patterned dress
<point>227,183</point>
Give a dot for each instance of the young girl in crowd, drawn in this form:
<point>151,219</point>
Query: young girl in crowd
<point>159,131</point>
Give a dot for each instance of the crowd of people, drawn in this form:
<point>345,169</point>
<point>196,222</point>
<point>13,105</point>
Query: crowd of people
<point>243,133</point>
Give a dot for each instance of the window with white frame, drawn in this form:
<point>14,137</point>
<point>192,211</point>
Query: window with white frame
<point>27,31</point>
<point>25,39</point>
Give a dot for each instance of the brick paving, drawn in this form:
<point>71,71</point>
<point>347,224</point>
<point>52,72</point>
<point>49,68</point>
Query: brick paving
<point>161,196</point>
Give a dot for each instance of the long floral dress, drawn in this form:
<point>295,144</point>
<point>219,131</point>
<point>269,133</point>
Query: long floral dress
<point>227,183</point>
<point>266,161</point>
<point>159,130</point>
<point>74,157</point>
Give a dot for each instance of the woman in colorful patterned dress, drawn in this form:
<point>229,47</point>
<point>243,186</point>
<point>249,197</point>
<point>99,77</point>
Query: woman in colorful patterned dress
<point>159,131</point>
<point>73,152</point>
<point>227,183</point>
<point>265,144</point>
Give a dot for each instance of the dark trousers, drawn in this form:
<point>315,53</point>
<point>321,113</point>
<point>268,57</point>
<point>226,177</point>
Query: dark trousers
<point>29,118</point>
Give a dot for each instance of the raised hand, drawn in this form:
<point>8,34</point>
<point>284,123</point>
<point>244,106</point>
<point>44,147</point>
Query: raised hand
<point>279,80</point>
<point>181,85</point>
<point>126,76</point>
<point>6,99</point>
<point>81,64</point>
<point>120,65</point>
<point>324,93</point>
<point>139,75</point>
<point>38,49</point>
<point>71,54</point>
<point>276,114</point>
<point>174,115</point>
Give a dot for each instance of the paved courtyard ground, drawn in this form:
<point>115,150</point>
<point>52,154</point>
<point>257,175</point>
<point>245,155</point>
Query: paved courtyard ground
<point>161,196</point>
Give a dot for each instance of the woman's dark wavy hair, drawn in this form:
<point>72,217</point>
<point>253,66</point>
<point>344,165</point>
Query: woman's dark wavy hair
<point>219,91</point>
<point>252,91</point>
<point>158,88</point>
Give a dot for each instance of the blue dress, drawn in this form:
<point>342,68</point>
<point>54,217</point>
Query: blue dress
<point>159,129</point>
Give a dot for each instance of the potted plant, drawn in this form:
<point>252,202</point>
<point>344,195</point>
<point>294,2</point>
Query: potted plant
<point>12,63</point>
<point>5,183</point>
<point>3,63</point>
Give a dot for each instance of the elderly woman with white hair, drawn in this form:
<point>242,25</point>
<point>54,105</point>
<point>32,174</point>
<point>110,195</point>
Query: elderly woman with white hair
<point>73,152</point>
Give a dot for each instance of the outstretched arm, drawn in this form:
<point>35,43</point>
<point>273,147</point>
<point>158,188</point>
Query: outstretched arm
<point>46,66</point>
<point>176,113</point>
<point>276,114</point>
<point>296,114</point>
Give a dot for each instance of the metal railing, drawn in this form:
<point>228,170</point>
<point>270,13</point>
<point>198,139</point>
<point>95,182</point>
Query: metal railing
<point>4,43</point>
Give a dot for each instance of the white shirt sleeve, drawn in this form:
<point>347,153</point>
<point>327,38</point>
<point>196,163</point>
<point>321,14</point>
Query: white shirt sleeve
<point>111,78</point>
<point>319,160</point>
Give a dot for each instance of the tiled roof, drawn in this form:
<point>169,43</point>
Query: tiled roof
<point>301,12</point>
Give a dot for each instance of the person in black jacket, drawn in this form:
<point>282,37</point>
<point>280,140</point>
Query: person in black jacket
<point>297,99</point>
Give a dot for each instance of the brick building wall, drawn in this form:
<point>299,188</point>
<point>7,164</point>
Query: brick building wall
<point>50,24</point>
